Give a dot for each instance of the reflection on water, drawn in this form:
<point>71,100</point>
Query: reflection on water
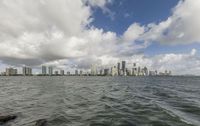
<point>102,101</point>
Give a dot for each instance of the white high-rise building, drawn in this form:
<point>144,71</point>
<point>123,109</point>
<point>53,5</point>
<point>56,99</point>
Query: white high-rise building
<point>94,70</point>
<point>11,72</point>
<point>114,71</point>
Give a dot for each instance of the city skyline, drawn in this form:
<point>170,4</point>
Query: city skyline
<point>119,69</point>
<point>161,35</point>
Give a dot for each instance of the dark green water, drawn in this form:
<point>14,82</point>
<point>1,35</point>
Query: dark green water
<point>102,101</point>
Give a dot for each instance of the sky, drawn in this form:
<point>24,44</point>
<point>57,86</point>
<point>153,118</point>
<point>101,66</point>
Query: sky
<point>160,34</point>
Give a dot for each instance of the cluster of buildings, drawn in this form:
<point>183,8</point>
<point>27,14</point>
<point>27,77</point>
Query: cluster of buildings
<point>48,71</point>
<point>26,71</point>
<point>9,72</point>
<point>119,70</point>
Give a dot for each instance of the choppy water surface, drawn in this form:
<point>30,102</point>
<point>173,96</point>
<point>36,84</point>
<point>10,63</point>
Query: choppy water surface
<point>102,101</point>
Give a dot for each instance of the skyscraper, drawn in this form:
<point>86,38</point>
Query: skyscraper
<point>170,73</point>
<point>134,70</point>
<point>106,72</point>
<point>76,72</point>
<point>127,72</point>
<point>101,72</point>
<point>139,71</point>
<point>62,72</point>
<point>56,73</point>
<point>81,72</point>
<point>11,72</point>
<point>146,73</point>
<point>24,71</point>
<point>93,70</point>
<point>114,71</point>
<point>118,68</point>
<point>27,71</point>
<point>124,67</point>
<point>44,70</point>
<point>50,70</point>
<point>68,73</point>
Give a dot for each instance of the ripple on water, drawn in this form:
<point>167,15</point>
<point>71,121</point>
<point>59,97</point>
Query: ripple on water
<point>102,101</point>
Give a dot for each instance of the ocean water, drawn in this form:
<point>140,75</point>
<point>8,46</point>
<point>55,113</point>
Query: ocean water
<point>101,101</point>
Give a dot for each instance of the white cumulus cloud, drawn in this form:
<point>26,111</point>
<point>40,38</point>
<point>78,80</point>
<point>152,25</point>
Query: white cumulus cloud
<point>182,27</point>
<point>59,32</point>
<point>38,32</point>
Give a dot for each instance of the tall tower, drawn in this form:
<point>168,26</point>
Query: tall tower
<point>81,72</point>
<point>76,72</point>
<point>134,70</point>
<point>118,68</point>
<point>44,70</point>
<point>27,71</point>
<point>114,71</point>
<point>50,70</point>
<point>139,71</point>
<point>124,67</point>
<point>62,72</point>
<point>94,70</point>
<point>24,71</point>
<point>146,73</point>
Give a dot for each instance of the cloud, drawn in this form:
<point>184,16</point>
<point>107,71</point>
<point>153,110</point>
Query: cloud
<point>133,32</point>
<point>60,33</point>
<point>29,29</point>
<point>179,64</point>
<point>183,27</point>
<point>46,31</point>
